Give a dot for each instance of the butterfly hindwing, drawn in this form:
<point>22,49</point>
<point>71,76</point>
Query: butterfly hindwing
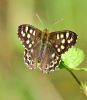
<point>50,60</point>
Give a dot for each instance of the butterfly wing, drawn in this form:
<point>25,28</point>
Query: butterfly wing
<point>31,38</point>
<point>62,40</point>
<point>59,42</point>
<point>29,35</point>
<point>50,59</point>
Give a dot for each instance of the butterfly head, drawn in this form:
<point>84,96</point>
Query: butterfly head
<point>45,30</point>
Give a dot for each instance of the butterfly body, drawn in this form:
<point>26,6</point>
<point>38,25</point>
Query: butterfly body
<point>43,47</point>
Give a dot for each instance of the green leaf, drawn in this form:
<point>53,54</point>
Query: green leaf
<point>73,57</point>
<point>80,69</point>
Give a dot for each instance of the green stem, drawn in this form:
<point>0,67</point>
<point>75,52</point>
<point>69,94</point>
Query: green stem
<point>70,71</point>
<point>74,76</point>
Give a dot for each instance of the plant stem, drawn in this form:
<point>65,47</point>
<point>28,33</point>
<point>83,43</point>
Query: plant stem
<point>74,76</point>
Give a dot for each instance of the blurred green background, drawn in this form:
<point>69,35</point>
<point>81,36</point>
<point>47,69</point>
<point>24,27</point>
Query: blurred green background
<point>19,83</point>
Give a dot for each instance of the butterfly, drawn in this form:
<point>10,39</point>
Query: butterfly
<point>43,48</point>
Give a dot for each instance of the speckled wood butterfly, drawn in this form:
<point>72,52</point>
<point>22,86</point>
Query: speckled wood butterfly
<point>43,47</point>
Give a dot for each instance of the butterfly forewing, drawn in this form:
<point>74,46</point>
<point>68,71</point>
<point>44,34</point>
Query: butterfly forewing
<point>62,40</point>
<point>29,35</point>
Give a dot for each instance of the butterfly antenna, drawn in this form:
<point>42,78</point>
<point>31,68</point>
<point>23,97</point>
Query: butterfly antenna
<point>41,22</point>
<point>58,21</point>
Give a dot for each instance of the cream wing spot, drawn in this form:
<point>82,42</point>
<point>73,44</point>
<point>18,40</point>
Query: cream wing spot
<point>62,47</point>
<point>27,42</point>
<point>32,42</point>
<point>32,50</point>
<point>58,49</point>
<point>59,61</point>
<point>25,62</point>
<point>31,31</point>
<point>24,52</point>
<point>67,34</point>
<point>28,35</point>
<point>30,45</point>
<point>57,57</point>
<point>63,41</point>
<point>69,41</point>
<point>56,46</point>
<point>61,36</point>
<point>26,29</point>
<point>23,34</point>
<point>27,55</point>
<point>53,55</point>
<point>34,32</point>
<point>57,36</point>
<point>29,60</point>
